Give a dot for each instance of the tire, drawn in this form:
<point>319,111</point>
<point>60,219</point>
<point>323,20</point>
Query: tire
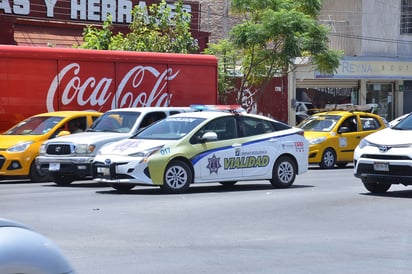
<point>284,172</point>
<point>177,178</point>
<point>36,175</point>
<point>228,184</point>
<point>328,159</point>
<point>62,180</point>
<point>342,164</point>
<point>122,187</point>
<point>376,187</point>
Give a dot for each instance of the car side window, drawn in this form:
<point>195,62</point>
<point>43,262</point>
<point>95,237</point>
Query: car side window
<point>152,117</point>
<point>251,126</point>
<point>224,127</point>
<point>349,125</point>
<point>369,123</point>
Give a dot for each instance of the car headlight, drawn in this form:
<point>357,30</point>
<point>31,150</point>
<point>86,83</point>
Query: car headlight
<point>84,149</point>
<point>146,153</point>
<point>42,149</point>
<point>363,143</point>
<point>316,141</point>
<point>20,147</point>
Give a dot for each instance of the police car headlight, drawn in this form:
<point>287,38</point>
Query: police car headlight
<point>316,141</point>
<point>20,147</point>
<point>146,153</point>
<point>84,149</point>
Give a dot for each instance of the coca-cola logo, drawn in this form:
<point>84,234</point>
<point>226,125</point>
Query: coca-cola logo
<point>96,94</point>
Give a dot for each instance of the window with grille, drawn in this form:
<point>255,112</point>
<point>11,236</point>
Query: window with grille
<point>406,16</point>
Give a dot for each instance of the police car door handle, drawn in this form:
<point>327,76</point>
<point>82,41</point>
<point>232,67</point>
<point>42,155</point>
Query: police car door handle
<point>236,145</point>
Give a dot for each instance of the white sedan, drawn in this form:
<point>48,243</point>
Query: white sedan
<point>385,157</point>
<point>205,147</point>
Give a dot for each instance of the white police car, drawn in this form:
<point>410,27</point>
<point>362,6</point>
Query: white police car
<point>205,147</point>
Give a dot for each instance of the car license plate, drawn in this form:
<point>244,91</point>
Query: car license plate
<point>381,166</point>
<point>54,166</point>
<point>103,170</point>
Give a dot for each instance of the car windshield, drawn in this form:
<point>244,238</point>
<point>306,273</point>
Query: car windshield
<point>404,124</point>
<point>171,128</point>
<point>319,123</point>
<point>34,125</point>
<point>121,121</point>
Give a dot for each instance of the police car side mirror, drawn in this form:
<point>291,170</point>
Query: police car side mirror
<point>209,136</point>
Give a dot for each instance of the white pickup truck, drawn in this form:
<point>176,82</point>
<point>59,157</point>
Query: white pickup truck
<point>69,158</point>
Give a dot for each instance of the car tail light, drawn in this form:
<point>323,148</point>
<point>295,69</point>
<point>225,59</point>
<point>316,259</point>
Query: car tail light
<point>301,132</point>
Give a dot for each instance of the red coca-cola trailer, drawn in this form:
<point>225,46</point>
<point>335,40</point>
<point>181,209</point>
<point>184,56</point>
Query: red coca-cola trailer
<point>35,80</point>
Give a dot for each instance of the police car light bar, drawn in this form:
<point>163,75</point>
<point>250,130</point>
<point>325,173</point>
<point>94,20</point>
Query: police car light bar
<point>227,108</point>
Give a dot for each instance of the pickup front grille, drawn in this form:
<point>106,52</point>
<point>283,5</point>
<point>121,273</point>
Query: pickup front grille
<point>58,149</point>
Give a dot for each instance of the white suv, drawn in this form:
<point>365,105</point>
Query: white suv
<point>384,158</point>
<point>69,158</point>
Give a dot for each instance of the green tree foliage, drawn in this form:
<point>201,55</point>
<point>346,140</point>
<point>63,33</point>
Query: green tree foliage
<point>156,29</point>
<point>227,55</point>
<point>273,34</point>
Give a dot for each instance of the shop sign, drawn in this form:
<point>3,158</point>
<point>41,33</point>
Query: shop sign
<point>84,10</point>
<point>371,69</point>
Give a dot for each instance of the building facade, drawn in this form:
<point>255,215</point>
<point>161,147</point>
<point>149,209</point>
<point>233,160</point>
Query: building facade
<point>376,39</point>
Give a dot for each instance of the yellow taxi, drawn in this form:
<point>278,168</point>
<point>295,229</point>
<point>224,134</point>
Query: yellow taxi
<point>19,146</point>
<point>333,135</point>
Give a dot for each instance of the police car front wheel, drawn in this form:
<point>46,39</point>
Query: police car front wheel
<point>284,172</point>
<point>177,178</point>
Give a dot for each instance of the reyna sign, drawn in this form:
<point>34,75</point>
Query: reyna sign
<point>83,10</point>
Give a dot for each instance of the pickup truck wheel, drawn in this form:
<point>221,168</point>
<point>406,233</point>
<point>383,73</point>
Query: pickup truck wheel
<point>376,187</point>
<point>122,187</point>
<point>284,172</point>
<point>37,175</point>
<point>62,180</point>
<point>177,178</point>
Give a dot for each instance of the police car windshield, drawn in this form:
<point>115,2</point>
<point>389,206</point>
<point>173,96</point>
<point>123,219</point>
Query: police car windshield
<point>320,123</point>
<point>171,128</point>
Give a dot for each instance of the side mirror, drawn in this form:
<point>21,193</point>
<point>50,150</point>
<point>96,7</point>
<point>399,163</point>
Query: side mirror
<point>343,130</point>
<point>63,133</point>
<point>209,136</point>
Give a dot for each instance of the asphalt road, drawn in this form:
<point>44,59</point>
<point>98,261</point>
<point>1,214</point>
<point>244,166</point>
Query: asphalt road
<point>325,223</point>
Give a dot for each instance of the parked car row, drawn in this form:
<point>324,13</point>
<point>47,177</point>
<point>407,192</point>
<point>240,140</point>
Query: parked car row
<point>174,147</point>
<point>158,146</point>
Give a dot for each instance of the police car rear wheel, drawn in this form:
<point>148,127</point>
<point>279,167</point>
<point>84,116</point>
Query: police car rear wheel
<point>177,178</point>
<point>284,172</point>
